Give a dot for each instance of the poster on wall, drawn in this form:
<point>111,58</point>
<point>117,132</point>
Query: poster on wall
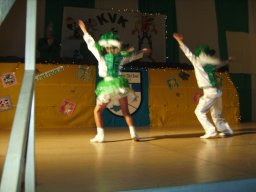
<point>135,30</point>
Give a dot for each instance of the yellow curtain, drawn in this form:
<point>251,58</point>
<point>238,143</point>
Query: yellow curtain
<point>173,96</point>
<point>73,83</point>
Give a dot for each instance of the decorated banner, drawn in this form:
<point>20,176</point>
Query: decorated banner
<point>5,103</point>
<point>135,83</point>
<point>52,72</point>
<point>9,79</point>
<point>135,30</point>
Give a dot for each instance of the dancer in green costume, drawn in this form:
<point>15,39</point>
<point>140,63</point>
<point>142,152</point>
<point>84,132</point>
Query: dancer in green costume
<point>110,56</point>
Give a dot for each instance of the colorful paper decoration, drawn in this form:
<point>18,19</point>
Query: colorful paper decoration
<point>196,97</point>
<point>183,75</point>
<point>9,79</point>
<point>67,107</point>
<point>173,82</point>
<point>84,72</point>
<point>5,103</point>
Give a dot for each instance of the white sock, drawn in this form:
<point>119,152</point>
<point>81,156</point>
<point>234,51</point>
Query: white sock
<point>100,131</point>
<point>99,138</point>
<point>132,131</point>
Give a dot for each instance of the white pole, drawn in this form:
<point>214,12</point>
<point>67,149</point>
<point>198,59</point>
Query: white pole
<point>30,47</point>
<point>30,161</point>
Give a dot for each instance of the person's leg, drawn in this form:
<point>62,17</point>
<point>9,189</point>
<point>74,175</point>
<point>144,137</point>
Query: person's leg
<point>99,123</point>
<point>218,119</point>
<point>99,108</point>
<point>204,105</point>
<point>125,110</point>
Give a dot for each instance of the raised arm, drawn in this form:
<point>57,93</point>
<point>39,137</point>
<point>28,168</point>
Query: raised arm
<point>179,38</point>
<point>223,63</point>
<point>89,41</point>
<point>92,47</point>
<point>82,26</point>
<point>130,56</point>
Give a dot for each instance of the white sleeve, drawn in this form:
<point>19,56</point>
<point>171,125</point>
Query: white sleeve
<point>91,46</point>
<point>188,54</point>
<point>102,68</point>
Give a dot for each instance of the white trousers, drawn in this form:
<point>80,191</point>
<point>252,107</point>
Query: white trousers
<point>211,101</point>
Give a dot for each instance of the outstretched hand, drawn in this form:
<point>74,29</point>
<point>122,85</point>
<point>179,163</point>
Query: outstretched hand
<point>230,58</point>
<point>82,26</point>
<point>178,36</point>
<point>146,50</point>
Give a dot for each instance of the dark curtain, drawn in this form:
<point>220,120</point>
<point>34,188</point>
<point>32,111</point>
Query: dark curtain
<point>232,15</point>
<point>168,8</point>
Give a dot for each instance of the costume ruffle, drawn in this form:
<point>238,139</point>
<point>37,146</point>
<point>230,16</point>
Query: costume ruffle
<point>112,89</point>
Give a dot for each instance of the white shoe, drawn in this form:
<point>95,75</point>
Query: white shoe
<point>99,138</point>
<point>227,132</point>
<point>208,135</point>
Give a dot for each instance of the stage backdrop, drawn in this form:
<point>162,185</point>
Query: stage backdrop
<point>135,29</point>
<point>65,97</point>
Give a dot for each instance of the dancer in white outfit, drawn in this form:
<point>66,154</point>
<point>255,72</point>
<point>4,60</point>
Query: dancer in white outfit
<point>205,65</point>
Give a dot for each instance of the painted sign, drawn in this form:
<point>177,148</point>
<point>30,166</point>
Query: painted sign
<point>135,83</point>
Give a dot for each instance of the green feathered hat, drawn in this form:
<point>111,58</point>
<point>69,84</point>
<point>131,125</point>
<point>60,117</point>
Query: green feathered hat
<point>206,49</point>
<point>109,39</point>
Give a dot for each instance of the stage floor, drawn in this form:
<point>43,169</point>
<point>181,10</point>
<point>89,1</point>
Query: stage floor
<point>67,162</point>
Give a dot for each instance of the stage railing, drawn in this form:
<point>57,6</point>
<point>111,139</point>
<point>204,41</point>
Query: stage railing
<point>20,153</point>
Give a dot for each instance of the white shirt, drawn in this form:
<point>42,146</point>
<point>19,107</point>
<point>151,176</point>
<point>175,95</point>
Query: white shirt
<point>91,46</point>
<point>202,77</point>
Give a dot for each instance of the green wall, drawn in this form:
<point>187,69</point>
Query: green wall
<point>232,15</point>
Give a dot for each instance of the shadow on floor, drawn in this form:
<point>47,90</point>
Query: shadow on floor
<point>187,135</point>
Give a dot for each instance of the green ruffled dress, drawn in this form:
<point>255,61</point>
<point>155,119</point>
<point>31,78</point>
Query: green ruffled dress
<point>114,86</point>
